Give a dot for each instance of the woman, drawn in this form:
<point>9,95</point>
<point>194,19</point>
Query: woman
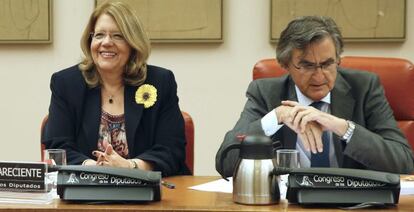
<point>113,109</point>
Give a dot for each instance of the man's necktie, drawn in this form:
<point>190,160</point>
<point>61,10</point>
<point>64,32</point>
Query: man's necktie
<point>321,159</point>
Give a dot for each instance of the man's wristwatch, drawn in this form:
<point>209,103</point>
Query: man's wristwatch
<point>349,131</point>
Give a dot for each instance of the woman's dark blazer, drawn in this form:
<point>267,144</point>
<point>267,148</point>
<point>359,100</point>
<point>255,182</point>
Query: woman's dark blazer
<point>154,134</point>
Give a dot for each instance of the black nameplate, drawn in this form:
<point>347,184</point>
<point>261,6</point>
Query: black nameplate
<point>333,181</point>
<point>87,178</point>
<point>22,176</point>
<point>98,183</point>
<point>341,186</point>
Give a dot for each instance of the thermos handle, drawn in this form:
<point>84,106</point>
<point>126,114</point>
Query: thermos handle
<point>224,154</point>
<point>276,145</point>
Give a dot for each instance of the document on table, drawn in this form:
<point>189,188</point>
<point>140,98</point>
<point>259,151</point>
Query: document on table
<point>221,185</point>
<point>407,185</point>
<point>26,197</point>
<point>224,186</point>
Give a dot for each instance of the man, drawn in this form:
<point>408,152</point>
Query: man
<point>334,117</point>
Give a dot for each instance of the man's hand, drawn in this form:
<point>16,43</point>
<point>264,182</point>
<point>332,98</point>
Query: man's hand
<point>300,116</point>
<point>311,137</point>
<point>310,134</point>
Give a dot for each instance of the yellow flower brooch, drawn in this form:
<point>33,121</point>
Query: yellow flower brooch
<point>146,94</point>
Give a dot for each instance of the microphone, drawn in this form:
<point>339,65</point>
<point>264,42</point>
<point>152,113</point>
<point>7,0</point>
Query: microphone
<point>281,171</point>
<point>53,168</point>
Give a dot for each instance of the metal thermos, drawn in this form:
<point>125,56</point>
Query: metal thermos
<point>253,181</point>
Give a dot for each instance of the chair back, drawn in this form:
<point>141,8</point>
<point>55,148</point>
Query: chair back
<point>42,127</point>
<point>396,75</point>
<point>189,136</point>
<point>268,68</point>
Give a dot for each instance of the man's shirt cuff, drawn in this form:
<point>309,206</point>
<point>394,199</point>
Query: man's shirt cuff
<point>269,122</point>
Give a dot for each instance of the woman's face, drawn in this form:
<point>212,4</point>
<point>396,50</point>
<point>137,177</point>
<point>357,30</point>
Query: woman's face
<point>110,51</point>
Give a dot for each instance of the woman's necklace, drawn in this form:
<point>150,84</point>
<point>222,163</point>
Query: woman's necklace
<point>112,96</point>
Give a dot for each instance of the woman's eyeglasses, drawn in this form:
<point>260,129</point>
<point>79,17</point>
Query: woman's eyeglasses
<point>100,36</point>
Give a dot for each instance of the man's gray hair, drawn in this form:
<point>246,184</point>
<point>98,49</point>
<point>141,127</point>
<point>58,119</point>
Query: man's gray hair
<point>305,30</point>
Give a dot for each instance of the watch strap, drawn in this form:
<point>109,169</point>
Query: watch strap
<point>349,131</point>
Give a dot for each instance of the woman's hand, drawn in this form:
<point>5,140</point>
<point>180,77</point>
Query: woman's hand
<point>111,158</point>
<point>89,162</point>
<point>144,165</point>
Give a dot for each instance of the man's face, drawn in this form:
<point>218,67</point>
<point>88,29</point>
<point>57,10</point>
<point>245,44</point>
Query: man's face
<point>314,69</point>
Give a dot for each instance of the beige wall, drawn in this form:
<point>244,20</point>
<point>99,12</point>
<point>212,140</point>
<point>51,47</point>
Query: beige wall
<point>212,78</point>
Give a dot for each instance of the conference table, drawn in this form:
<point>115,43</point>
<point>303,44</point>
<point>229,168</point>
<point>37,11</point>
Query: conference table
<point>183,199</point>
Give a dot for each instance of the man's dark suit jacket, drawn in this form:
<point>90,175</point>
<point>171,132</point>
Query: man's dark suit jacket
<point>377,142</point>
<point>154,134</point>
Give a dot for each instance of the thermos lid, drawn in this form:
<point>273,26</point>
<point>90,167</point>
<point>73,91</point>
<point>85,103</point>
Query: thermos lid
<point>256,147</point>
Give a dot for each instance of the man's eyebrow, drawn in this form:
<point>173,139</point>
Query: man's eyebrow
<point>329,60</point>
